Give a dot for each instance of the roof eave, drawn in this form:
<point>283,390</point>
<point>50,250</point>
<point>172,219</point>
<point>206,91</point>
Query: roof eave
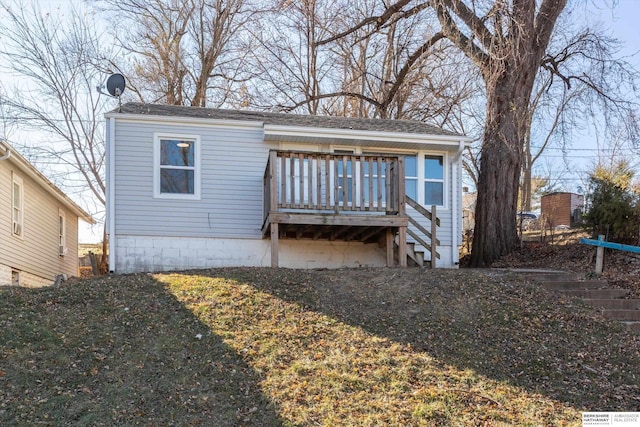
<point>36,175</point>
<point>282,132</point>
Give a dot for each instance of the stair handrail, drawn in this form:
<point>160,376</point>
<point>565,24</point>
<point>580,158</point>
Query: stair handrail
<point>435,222</point>
<point>422,210</point>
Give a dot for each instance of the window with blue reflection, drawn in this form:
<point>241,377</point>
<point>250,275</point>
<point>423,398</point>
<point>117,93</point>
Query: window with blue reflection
<point>433,167</point>
<point>433,180</point>
<point>433,193</point>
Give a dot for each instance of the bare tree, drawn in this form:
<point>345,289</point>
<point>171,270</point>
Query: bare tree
<point>291,69</point>
<point>508,43</point>
<point>181,52</point>
<point>56,60</point>
<point>391,73</point>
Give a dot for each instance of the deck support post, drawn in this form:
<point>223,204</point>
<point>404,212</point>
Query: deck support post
<point>274,244</point>
<point>389,245</point>
<point>402,246</point>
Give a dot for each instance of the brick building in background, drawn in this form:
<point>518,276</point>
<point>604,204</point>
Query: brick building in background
<point>562,209</point>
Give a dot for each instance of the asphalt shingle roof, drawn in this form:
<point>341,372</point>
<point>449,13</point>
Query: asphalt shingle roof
<point>286,119</point>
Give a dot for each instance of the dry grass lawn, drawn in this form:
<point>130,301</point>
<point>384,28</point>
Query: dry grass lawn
<point>269,347</point>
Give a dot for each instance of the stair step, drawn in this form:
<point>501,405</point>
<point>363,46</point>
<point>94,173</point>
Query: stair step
<point>597,293</point>
<point>632,326</point>
<point>628,315</point>
<point>557,277</point>
<point>615,304</point>
<point>562,285</point>
<point>413,256</point>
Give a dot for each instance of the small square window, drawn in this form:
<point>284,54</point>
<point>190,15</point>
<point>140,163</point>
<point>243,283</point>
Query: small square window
<point>177,166</point>
<point>15,278</point>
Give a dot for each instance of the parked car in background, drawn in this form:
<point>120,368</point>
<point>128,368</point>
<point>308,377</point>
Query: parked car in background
<point>526,220</point>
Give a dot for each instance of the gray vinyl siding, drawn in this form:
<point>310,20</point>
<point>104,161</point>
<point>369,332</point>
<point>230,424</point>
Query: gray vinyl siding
<point>37,253</point>
<point>233,161</point>
<point>444,232</point>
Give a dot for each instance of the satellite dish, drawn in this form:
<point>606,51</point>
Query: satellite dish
<point>116,85</point>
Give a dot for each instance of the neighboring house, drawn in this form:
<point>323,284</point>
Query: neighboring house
<point>562,209</point>
<point>196,188</point>
<point>38,225</point>
<point>469,211</point>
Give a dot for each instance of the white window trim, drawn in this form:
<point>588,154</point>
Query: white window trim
<point>62,233</point>
<point>422,179</point>
<point>156,167</point>
<point>20,223</point>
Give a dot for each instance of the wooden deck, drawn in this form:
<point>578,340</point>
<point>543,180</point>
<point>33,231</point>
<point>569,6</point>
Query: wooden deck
<point>335,197</point>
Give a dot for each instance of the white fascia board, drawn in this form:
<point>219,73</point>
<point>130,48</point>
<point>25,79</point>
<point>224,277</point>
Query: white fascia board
<point>26,167</point>
<point>274,131</point>
<point>196,121</point>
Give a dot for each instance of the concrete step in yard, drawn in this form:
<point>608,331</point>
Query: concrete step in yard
<point>596,293</point>
<point>614,304</point>
<point>568,285</point>
<point>556,277</point>
<point>625,315</point>
<point>632,326</point>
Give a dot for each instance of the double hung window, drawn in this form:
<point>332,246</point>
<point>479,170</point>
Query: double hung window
<point>62,231</point>
<point>424,178</point>
<point>411,176</point>
<point>433,180</point>
<point>17,207</point>
<point>177,166</point>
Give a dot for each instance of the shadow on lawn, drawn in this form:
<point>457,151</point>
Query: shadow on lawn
<point>99,353</point>
<point>499,326</point>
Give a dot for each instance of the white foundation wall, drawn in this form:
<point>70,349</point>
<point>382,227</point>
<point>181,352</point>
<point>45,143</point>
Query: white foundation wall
<point>445,260</point>
<point>5,275</point>
<point>143,253</point>
<point>27,280</point>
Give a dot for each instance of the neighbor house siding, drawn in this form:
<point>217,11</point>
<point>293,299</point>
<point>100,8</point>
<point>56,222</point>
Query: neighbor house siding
<point>37,252</point>
<point>232,167</point>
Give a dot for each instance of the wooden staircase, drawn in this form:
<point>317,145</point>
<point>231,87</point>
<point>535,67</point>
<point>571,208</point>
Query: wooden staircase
<point>609,302</point>
<point>415,257</point>
<point>419,239</point>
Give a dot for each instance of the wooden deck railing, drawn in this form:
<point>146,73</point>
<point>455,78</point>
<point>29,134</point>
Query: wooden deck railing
<point>339,183</point>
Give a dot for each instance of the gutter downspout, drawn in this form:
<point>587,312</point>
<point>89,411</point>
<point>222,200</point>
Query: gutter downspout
<point>455,163</point>
<point>111,209</point>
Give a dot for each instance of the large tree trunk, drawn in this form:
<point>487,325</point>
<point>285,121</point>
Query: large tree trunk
<point>495,233</point>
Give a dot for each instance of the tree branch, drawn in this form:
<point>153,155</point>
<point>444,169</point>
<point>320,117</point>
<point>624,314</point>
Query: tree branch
<point>464,43</point>
<point>475,24</point>
<point>415,56</point>
<point>330,95</point>
<point>378,20</point>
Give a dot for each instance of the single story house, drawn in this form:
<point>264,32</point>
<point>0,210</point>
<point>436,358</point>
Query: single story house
<point>38,225</point>
<point>195,187</point>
